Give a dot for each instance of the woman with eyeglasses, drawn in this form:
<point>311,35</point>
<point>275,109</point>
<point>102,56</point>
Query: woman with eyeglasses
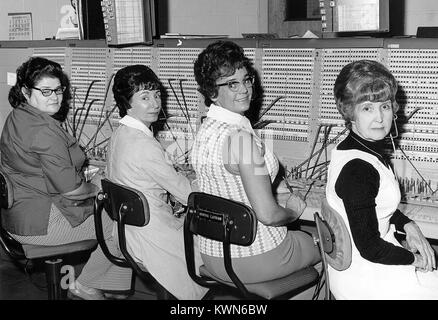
<point>362,188</point>
<point>232,162</point>
<point>53,204</point>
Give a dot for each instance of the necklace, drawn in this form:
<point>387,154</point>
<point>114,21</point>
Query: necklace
<point>371,150</point>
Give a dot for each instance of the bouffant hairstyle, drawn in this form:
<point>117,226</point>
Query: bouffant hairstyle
<point>219,59</point>
<point>28,76</point>
<point>130,80</point>
<point>363,80</point>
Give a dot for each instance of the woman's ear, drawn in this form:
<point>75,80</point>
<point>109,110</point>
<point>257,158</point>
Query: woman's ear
<point>26,92</point>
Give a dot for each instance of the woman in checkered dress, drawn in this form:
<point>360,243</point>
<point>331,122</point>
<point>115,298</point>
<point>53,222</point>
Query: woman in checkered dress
<point>231,161</point>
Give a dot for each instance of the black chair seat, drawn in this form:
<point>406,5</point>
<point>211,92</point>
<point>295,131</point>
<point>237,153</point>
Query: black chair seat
<point>37,251</point>
<point>274,288</point>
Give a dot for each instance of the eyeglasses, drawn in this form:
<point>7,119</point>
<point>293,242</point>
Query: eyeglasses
<point>235,85</point>
<point>48,92</point>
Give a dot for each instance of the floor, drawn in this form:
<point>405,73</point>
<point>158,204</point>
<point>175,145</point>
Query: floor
<point>16,284</point>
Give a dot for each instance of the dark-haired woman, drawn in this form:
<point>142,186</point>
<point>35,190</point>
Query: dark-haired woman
<point>53,204</point>
<point>232,162</point>
<point>136,159</point>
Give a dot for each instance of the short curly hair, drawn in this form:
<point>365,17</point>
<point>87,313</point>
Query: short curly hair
<point>220,59</point>
<point>30,73</point>
<point>130,80</point>
<point>363,80</point>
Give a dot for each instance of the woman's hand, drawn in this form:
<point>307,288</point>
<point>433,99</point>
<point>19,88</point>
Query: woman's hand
<point>194,185</point>
<point>419,262</point>
<point>84,191</point>
<point>296,203</point>
<point>418,244</point>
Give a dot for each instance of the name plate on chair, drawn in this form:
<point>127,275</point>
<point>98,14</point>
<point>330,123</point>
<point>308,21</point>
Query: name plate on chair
<point>211,216</point>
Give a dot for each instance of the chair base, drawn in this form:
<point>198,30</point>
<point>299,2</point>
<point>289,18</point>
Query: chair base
<point>52,271</point>
<point>53,278</point>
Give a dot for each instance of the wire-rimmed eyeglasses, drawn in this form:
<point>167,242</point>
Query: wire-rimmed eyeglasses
<point>235,85</point>
<point>46,92</point>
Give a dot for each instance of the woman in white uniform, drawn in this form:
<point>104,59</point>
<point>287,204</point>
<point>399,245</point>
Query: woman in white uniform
<point>136,159</point>
<point>362,188</point>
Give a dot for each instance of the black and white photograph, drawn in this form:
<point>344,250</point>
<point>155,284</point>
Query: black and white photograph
<point>213,159</point>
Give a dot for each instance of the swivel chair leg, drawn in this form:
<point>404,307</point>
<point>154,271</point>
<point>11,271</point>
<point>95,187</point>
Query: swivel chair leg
<point>53,278</point>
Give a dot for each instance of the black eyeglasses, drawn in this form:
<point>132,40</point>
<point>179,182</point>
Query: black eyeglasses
<point>235,85</point>
<point>48,92</point>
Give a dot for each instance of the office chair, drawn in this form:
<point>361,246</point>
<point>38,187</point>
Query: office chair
<point>333,241</point>
<point>125,206</point>
<point>232,222</point>
<point>28,252</point>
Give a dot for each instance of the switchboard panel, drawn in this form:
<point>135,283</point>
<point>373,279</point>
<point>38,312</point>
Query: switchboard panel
<point>298,116</point>
<point>288,77</point>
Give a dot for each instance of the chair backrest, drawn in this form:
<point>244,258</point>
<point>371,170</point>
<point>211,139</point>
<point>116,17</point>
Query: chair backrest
<point>129,201</point>
<point>231,222</point>
<point>335,238</point>
<point>209,215</point>
<point>9,244</point>
<point>6,191</point>
<point>220,219</point>
<point>126,206</point>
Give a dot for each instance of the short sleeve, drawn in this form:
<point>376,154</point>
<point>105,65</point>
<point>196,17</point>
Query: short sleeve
<point>53,150</point>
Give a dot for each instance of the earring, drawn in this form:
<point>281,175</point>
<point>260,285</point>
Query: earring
<point>395,127</point>
<point>396,132</point>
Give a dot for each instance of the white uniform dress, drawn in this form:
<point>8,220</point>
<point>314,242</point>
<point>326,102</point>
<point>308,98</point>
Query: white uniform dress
<point>365,279</point>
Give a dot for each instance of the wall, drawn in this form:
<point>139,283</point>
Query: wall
<point>230,17</point>
<point>46,16</point>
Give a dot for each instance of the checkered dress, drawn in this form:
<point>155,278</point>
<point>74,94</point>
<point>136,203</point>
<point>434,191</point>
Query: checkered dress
<point>213,178</point>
